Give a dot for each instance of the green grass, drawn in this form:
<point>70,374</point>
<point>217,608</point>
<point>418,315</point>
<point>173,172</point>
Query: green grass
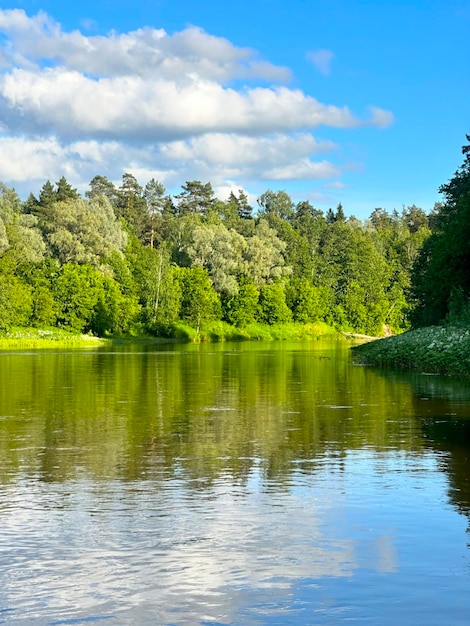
<point>221,331</point>
<point>435,349</point>
<point>18,338</point>
<point>26,338</point>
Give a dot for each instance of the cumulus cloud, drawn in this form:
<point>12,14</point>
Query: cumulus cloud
<point>321,60</point>
<point>144,52</point>
<point>130,106</point>
<point>214,157</point>
<point>180,106</point>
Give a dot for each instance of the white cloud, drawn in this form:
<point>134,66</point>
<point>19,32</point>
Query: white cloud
<point>144,52</point>
<point>130,106</point>
<point>226,149</point>
<point>380,117</point>
<point>218,158</point>
<point>303,169</point>
<point>321,59</point>
<point>177,107</point>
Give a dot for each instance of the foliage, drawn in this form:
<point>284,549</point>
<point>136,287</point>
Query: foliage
<point>76,291</point>
<point>133,260</point>
<point>18,337</point>
<point>161,294</point>
<point>273,308</point>
<point>445,350</point>
<point>15,302</point>
<point>82,231</point>
<point>196,197</point>
<point>276,202</point>
<point>264,255</point>
<point>442,268</point>
<point>221,252</point>
<point>241,309</point>
<point>200,303</point>
<point>307,302</point>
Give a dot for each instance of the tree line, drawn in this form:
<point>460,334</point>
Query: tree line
<point>441,274</point>
<point>132,259</point>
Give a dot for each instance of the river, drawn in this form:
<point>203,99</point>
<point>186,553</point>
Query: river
<point>251,483</point>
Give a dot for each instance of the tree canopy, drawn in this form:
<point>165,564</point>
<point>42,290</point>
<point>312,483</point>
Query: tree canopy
<point>134,259</point>
<point>441,274</point>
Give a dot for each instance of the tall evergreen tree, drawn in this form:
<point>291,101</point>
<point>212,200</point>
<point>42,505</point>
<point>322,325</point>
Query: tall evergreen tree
<point>441,275</point>
<point>101,186</point>
<point>131,205</point>
<point>65,191</point>
<point>154,194</point>
<point>196,197</point>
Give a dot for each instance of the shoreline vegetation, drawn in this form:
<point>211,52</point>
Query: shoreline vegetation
<point>434,350</point>
<point>431,350</point>
<point>134,263</point>
<point>31,338</point>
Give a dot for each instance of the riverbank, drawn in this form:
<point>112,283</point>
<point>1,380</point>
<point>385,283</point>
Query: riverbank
<point>221,331</point>
<point>435,349</point>
<point>26,338</point>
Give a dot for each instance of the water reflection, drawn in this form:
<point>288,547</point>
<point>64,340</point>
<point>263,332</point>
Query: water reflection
<point>242,484</point>
<point>129,415</point>
<point>441,407</point>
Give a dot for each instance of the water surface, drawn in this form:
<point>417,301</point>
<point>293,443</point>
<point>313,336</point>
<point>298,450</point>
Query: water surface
<point>231,484</point>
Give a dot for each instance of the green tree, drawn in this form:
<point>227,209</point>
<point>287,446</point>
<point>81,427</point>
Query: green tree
<point>196,197</point>
<point>220,251</point>
<point>380,219</point>
<point>4,243</point>
<point>307,302</point>
<point>131,205</point>
<point>15,300</point>
<point>101,186</point>
<point>297,253</point>
<point>161,294</point>
<point>241,308</point>
<point>154,194</point>
<point>114,313</point>
<point>339,215</point>
<point>309,222</point>
<point>442,269</point>
<point>264,255</point>
<point>277,202</point>
<point>330,216</point>
<point>200,303</point>
<point>47,195</point>
<point>76,291</point>
<point>245,210</point>
<point>351,267</point>
<point>84,231</point>
<point>19,232</point>
<point>273,308</point>
<point>65,191</point>
<point>415,218</point>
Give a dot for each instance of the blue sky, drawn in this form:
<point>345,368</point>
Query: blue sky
<point>363,103</point>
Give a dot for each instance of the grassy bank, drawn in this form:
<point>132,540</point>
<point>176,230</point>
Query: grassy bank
<point>18,338</point>
<point>435,349</point>
<point>25,338</point>
<point>220,331</point>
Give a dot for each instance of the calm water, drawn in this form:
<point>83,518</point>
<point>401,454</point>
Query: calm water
<point>237,484</point>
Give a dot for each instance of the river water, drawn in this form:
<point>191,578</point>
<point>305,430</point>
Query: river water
<point>247,483</point>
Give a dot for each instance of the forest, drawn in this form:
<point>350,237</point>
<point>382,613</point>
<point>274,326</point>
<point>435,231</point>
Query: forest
<point>132,260</point>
